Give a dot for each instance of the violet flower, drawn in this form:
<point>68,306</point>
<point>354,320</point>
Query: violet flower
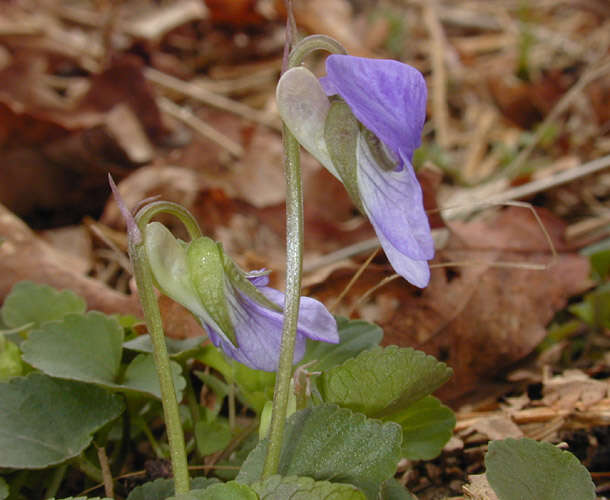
<point>241,314</point>
<point>373,156</point>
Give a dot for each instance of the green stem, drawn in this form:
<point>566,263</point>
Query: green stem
<point>312,43</point>
<point>148,299</point>
<point>88,469</point>
<point>56,479</point>
<point>146,213</point>
<point>294,263</point>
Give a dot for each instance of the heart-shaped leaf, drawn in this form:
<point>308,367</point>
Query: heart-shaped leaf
<point>355,336</point>
<point>305,488</point>
<point>426,426</point>
<point>212,436</point>
<point>393,490</point>
<point>382,381</point>
<point>141,376</point>
<point>33,304</point>
<point>222,491</point>
<point>45,421</point>
<point>162,488</point>
<point>331,443</point>
<point>520,469</point>
<point>85,347</point>
<point>175,347</point>
<point>88,348</point>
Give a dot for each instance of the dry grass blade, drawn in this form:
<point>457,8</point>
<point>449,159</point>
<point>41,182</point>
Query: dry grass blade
<point>199,126</point>
<point>205,96</point>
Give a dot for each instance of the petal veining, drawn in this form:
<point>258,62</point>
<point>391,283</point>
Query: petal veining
<point>388,97</point>
<point>393,202</point>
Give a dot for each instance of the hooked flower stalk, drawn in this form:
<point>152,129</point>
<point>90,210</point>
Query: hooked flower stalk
<point>363,121</point>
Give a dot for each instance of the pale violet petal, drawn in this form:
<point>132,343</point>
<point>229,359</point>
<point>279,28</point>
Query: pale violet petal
<point>259,330</point>
<point>416,272</point>
<point>388,97</point>
<point>303,106</point>
<point>393,202</point>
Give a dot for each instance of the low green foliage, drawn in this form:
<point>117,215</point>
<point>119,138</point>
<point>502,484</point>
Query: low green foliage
<point>31,305</point>
<point>160,489</point>
<point>222,491</point>
<point>304,488</point>
<point>426,425</point>
<point>45,421</point>
<point>328,443</point>
<point>382,381</point>
<point>519,469</point>
<point>89,347</point>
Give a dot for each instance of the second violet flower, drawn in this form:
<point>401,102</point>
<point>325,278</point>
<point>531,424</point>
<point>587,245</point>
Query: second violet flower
<point>363,121</point>
<point>241,314</point>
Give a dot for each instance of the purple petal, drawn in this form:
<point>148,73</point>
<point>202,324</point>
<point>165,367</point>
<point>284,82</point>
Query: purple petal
<point>416,272</point>
<point>259,330</point>
<point>393,201</point>
<point>387,96</point>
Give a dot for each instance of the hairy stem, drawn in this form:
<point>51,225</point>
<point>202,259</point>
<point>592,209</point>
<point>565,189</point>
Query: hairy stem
<point>152,315</point>
<point>294,263</point>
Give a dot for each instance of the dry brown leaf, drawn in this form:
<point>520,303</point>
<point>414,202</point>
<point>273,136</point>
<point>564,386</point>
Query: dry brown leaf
<point>497,427</point>
<point>479,319</point>
<point>24,256</point>
<point>574,388</point>
<point>479,488</point>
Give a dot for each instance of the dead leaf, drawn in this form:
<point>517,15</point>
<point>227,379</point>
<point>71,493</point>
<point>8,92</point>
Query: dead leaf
<point>479,319</point>
<point>574,389</point>
<point>479,488</point>
<point>497,427</point>
<point>24,256</point>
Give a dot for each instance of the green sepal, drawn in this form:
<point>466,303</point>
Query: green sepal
<point>341,131</point>
<point>382,156</point>
<point>207,272</point>
<point>240,281</point>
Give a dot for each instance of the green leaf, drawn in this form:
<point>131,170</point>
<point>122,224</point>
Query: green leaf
<point>382,381</point>
<point>10,360</point>
<point>160,489</point>
<point>524,469</point>
<point>212,436</point>
<point>304,488</point>
<point>85,347</point>
<point>175,347</point>
<point>141,376</point>
<point>45,421</point>
<point>393,490</point>
<point>222,491</point>
<point>29,303</point>
<point>426,426</point>
<point>84,498</point>
<point>4,489</point>
<point>595,309</point>
<point>88,347</point>
<point>331,443</point>
<point>255,386</point>
<point>355,336</point>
